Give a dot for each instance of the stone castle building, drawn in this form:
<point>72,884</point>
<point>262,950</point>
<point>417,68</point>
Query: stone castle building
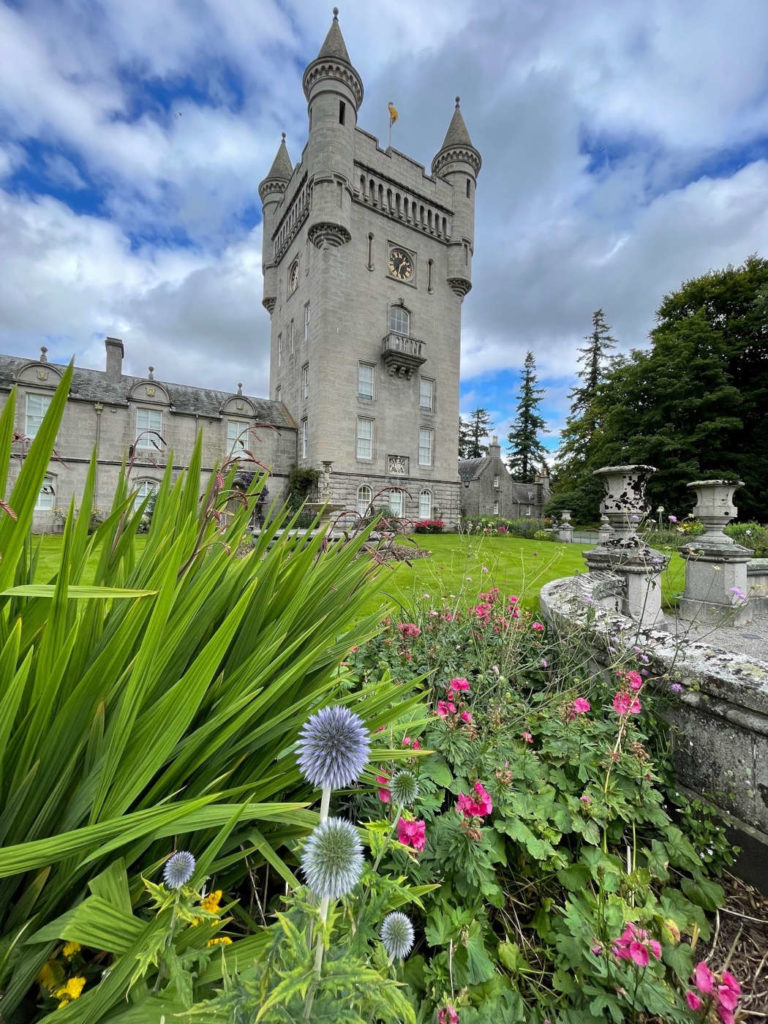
<point>366,261</point>
<point>488,489</point>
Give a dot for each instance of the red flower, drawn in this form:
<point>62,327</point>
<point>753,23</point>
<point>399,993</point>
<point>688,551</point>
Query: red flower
<point>384,794</point>
<point>458,684</point>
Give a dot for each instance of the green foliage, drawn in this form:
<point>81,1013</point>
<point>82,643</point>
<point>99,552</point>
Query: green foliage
<point>473,433</point>
<point>581,841</point>
<point>750,535</point>
<point>302,481</point>
<point>694,404</point>
<point>165,706</point>
<point>497,526</point>
<point>525,447</point>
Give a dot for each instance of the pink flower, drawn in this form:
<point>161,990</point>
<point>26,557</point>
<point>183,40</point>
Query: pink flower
<point>693,1001</point>
<point>384,794</point>
<point>634,679</point>
<point>731,982</point>
<point>544,663</point>
<point>476,808</point>
<point>625,704</point>
<point>727,997</point>
<point>448,1015</point>
<point>484,569</point>
<point>412,833</point>
<point>445,708</point>
<point>580,706</point>
<point>512,599</point>
<point>704,979</point>
<point>409,629</point>
<point>466,716</point>
<point>406,741</point>
<point>585,798</point>
<point>672,519</point>
<point>634,944</point>
<point>597,949</point>
<point>537,627</point>
<point>415,745</point>
<point>527,737</point>
<point>432,613</point>
<point>726,1016</point>
<point>655,948</point>
<point>458,684</point>
<point>638,953</point>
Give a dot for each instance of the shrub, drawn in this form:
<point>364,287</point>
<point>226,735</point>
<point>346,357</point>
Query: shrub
<point>750,535</point>
<point>429,526</point>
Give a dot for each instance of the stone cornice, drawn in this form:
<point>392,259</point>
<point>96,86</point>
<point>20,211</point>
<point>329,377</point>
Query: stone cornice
<point>457,154</point>
<point>328,67</point>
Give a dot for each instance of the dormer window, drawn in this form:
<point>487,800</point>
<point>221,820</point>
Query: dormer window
<point>399,320</point>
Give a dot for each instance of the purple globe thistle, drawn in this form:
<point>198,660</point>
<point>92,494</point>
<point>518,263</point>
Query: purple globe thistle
<point>332,861</point>
<point>397,935</point>
<point>178,869</point>
<point>333,748</point>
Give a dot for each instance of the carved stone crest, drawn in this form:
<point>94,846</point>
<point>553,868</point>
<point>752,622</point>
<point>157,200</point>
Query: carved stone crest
<point>42,375</point>
<point>397,465</point>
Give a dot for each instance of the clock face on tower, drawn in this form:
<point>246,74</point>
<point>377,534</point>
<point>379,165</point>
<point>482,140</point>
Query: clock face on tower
<point>400,264</point>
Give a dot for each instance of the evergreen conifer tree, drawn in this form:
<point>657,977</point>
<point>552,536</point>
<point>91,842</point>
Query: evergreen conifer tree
<point>473,433</point>
<point>525,447</point>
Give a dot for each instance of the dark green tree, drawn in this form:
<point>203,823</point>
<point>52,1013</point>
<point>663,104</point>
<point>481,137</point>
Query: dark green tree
<point>525,447</point>
<point>695,405</point>
<point>575,487</point>
<point>473,433</point>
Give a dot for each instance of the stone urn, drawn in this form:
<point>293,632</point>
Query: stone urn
<point>565,515</point>
<point>715,508</point>
<point>624,498</point>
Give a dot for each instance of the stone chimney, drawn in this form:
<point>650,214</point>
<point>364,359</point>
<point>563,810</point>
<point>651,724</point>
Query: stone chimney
<point>494,448</point>
<point>115,353</point>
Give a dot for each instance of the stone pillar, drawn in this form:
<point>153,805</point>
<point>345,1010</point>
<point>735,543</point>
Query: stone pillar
<point>565,529</point>
<point>715,566</point>
<point>620,549</point>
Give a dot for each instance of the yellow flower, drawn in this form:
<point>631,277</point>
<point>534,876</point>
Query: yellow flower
<point>211,901</point>
<point>47,976</point>
<point>223,940</point>
<point>70,948</point>
<point>70,991</point>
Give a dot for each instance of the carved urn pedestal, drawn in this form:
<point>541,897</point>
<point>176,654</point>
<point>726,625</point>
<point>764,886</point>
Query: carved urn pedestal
<point>715,566</point>
<point>621,551</point>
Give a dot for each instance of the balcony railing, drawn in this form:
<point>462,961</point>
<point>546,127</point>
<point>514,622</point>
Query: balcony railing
<point>403,354</point>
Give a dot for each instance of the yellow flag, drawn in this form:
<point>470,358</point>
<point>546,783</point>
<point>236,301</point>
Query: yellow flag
<point>392,113</point>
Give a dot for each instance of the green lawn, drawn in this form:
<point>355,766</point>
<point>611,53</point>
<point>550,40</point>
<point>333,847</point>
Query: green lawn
<point>455,570</point>
<point>515,566</point>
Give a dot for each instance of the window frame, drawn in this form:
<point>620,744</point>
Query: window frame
<point>361,438</point>
<point>144,439</point>
<point>305,382</point>
<point>430,381</point>
<point>50,483</point>
<point>304,438</point>
<point>360,393</point>
<point>307,320</point>
<point>46,403</point>
<point>153,488</point>
<point>237,443</point>
<point>430,448</point>
<point>422,513</point>
<point>394,313</point>
<point>362,509</point>
<point>399,510</point>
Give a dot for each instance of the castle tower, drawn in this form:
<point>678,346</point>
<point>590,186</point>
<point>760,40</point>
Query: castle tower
<point>366,261</point>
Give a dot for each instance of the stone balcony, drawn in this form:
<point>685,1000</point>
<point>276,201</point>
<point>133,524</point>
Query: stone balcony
<point>402,354</point>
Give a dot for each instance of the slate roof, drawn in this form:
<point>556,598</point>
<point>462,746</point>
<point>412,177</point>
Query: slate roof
<point>457,134</point>
<point>281,168</point>
<point>470,469</point>
<point>334,45</point>
<point>95,386</point>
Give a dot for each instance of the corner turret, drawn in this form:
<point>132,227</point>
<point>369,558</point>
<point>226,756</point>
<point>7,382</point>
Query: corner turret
<point>458,162</point>
<point>334,92</point>
<point>271,191</point>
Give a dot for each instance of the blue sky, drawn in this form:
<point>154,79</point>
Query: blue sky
<point>624,148</point>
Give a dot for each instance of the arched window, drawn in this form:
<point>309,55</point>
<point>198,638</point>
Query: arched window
<point>399,320</point>
<point>395,502</point>
<point>46,499</point>
<point>425,504</point>
<point>363,499</point>
<point>143,490</point>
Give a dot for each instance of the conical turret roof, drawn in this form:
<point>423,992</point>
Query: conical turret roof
<point>457,144</point>
<point>333,62</point>
<point>334,45</point>
<point>457,134</point>
<point>279,173</point>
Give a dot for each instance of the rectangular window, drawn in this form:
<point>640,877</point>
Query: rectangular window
<point>305,381</point>
<point>495,508</point>
<point>279,393</point>
<point>496,481</point>
<point>279,350</point>
<point>47,496</point>
<point>364,438</point>
<point>426,394</point>
<point>425,447</point>
<point>37,407</point>
<point>365,380</point>
<point>148,420</point>
<point>304,438</point>
<point>237,436</point>
<point>291,339</point>
<point>306,322</point>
